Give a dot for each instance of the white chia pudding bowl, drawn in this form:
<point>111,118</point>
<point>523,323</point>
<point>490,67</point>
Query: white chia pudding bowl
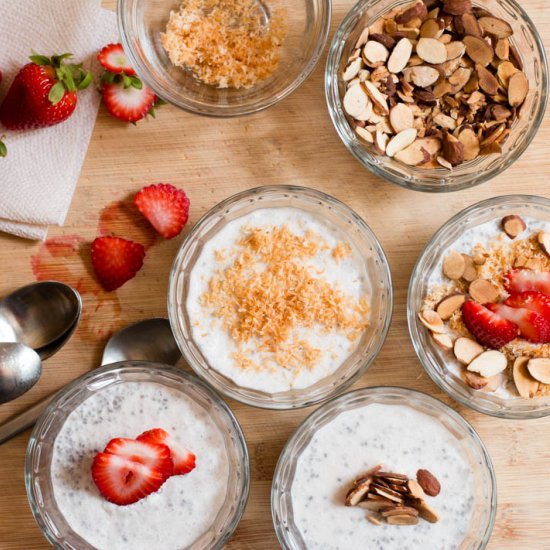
<point>280,296</point>
<point>196,510</point>
<point>405,431</point>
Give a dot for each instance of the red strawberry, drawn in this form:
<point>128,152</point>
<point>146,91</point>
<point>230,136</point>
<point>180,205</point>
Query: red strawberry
<point>184,460</point>
<point>116,260</point>
<point>129,102</point>
<point>522,280</point>
<point>165,206</point>
<point>113,59</point>
<point>43,93</point>
<point>535,301</point>
<point>129,470</point>
<point>490,329</point>
<point>532,325</point>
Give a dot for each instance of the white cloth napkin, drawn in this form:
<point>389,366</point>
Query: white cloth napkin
<point>39,175</point>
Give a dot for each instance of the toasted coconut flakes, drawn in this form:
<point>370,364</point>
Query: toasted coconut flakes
<point>341,251</point>
<point>269,292</point>
<point>225,43</point>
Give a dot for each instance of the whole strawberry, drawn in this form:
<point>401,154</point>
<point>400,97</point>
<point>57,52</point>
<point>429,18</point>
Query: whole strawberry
<point>43,93</point>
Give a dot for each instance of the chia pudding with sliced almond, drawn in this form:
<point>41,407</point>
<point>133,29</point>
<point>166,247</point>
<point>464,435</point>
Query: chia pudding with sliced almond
<point>488,307</point>
<point>404,440</point>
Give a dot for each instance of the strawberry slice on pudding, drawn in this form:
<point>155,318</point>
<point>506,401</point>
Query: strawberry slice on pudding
<point>183,459</point>
<point>522,280</point>
<point>489,328</point>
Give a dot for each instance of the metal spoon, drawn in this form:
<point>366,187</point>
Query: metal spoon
<point>20,369</point>
<point>41,315</point>
<point>149,340</point>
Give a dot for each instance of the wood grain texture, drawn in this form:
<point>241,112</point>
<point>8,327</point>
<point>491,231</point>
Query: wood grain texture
<point>293,142</point>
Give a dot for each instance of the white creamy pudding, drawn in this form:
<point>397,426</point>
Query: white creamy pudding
<point>185,506</point>
<point>404,440</point>
<point>278,299</point>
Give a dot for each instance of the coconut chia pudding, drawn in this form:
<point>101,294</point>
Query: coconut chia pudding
<point>278,299</point>
<point>174,516</point>
<point>488,307</point>
<point>403,440</point>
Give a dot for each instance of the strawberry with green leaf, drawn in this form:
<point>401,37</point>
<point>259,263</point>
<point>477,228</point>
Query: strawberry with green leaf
<point>43,93</point>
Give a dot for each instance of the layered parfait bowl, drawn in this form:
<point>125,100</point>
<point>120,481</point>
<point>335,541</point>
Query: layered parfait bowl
<point>346,477</point>
<point>478,307</point>
<point>438,92</point>
<point>198,510</point>
<point>280,297</point>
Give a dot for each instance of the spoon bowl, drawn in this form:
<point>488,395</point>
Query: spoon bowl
<point>41,315</point>
<point>20,369</point>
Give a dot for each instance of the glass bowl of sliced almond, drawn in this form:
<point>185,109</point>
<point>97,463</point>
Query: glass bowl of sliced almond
<point>479,307</point>
<point>437,95</point>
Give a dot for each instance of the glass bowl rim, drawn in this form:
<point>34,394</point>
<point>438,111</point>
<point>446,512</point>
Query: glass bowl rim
<point>235,393</point>
<point>136,366</point>
<point>214,111</point>
<point>381,391</point>
<point>428,362</point>
<point>332,96</point>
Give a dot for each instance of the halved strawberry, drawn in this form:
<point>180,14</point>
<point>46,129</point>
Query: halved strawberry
<point>113,59</point>
<point>535,301</point>
<point>126,101</point>
<point>183,459</point>
<point>129,470</point>
<point>116,260</point>
<point>489,329</point>
<point>165,206</point>
<point>532,325</point>
<point>522,280</point>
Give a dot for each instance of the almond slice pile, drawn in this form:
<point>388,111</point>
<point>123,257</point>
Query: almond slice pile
<point>394,498</point>
<point>435,84</point>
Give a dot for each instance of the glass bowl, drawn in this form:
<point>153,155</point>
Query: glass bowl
<point>465,437</point>
<point>327,209</point>
<point>141,22</point>
<point>434,359</point>
<point>469,174</point>
<point>38,477</point>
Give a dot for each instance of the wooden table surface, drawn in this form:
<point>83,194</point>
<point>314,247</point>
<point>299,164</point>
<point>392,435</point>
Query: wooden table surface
<point>293,142</point>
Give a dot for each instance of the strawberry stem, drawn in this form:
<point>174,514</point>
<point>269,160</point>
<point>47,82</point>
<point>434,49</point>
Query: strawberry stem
<point>3,148</point>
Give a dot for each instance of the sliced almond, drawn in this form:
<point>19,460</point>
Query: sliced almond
<point>425,511</point>
<point>518,88</point>
<point>455,49</point>
<point>417,10</point>
<point>513,226</point>
<point>505,71</point>
<point>353,69</point>
<point>483,291</point>
<point>400,56</point>
<point>459,79</point>
<point>502,49</point>
<point>376,96</point>
<point>470,271</point>
<point>478,50</point>
<point>431,50</point>
<point>487,82</point>
<point>373,520</point>
<point>415,490</point>
<point>374,52</point>
<point>364,134</point>
<point>454,265</point>
<point>431,320</point>
<point>402,519</point>
<point>397,510</point>
<point>400,141</point>
<point>443,341</point>
<point>469,139</point>
<point>413,155</point>
<point>381,141</point>
<point>363,38</point>
<point>449,305</point>
<point>424,76</point>
<point>539,369</point>
<point>494,383</point>
<point>489,363</point>
<point>526,385</point>
<point>430,29</point>
<point>358,492</point>
<point>543,239</point>
<point>401,117</point>
<point>376,505</point>
<point>453,150</point>
<point>445,121</point>
<point>474,380</point>
<point>457,7</point>
<point>471,26</point>
<point>496,27</point>
<point>356,102</point>
<point>466,350</point>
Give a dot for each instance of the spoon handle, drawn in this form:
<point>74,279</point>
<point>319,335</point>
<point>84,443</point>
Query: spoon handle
<point>23,421</point>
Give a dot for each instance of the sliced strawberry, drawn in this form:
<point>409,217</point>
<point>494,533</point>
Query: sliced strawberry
<point>165,206</point>
<point>532,325</point>
<point>489,329</point>
<point>535,301</point>
<point>113,59</point>
<point>127,101</point>
<point>523,280</point>
<point>116,260</point>
<point>183,459</point>
<point>129,470</point>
